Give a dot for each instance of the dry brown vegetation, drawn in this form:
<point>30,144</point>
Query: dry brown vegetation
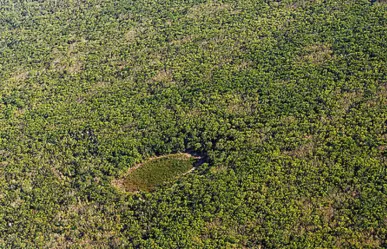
<point>89,217</point>
<point>163,76</point>
<point>207,9</point>
<point>130,35</point>
<point>69,58</point>
<point>316,54</point>
<point>237,105</point>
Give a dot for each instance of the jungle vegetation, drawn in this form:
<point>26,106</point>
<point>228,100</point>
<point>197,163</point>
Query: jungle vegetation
<point>286,100</point>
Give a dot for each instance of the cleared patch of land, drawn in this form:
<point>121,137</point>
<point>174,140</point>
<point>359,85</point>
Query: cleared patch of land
<point>156,171</point>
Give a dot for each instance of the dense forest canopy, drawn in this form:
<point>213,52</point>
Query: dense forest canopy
<point>286,100</point>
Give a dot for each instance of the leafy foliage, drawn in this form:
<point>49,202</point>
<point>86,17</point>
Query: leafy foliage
<point>287,100</point>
